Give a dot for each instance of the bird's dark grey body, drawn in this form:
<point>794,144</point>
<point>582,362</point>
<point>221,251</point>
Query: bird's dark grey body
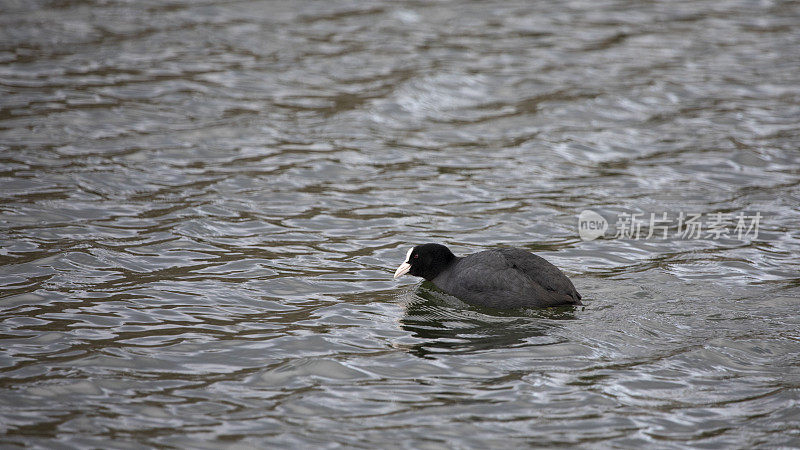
<point>506,278</point>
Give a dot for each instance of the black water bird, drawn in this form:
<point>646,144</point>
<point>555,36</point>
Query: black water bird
<point>503,278</point>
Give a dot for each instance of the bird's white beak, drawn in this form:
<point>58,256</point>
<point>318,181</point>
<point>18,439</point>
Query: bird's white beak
<point>405,267</point>
<point>402,270</point>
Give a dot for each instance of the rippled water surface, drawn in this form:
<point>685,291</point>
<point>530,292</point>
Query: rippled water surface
<point>202,204</point>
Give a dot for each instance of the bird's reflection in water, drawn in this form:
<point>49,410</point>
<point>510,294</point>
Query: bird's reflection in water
<point>448,325</point>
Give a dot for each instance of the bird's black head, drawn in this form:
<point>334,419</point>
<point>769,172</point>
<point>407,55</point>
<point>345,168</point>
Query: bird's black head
<point>426,261</point>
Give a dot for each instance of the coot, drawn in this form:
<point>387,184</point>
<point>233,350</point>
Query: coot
<point>503,278</point>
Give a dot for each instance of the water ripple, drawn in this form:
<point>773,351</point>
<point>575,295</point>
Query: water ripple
<point>202,203</point>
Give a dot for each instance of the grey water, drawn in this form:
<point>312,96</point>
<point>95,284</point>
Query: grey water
<point>202,204</point>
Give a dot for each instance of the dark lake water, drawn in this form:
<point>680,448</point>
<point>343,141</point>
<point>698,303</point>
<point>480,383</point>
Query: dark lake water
<point>202,204</point>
